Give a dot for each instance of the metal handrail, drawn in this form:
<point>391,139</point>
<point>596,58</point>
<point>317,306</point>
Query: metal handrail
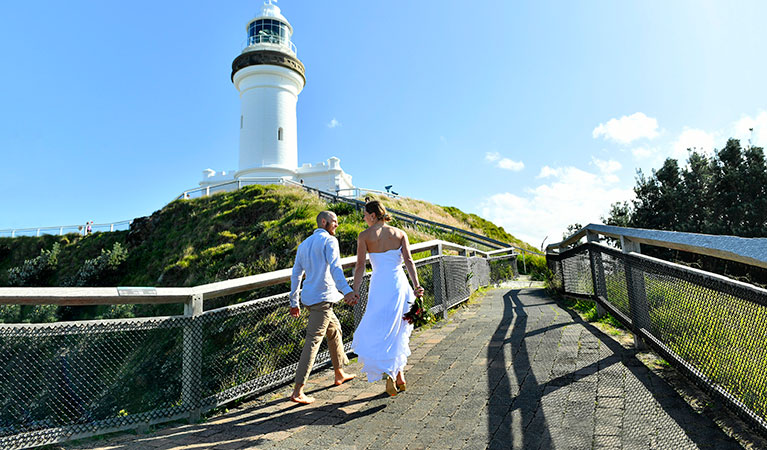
<point>751,251</point>
<point>78,296</point>
<point>80,229</point>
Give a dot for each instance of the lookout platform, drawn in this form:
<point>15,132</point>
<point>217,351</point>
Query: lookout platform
<point>511,370</point>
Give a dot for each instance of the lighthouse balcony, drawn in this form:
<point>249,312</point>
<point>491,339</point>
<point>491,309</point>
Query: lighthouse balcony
<point>269,42</point>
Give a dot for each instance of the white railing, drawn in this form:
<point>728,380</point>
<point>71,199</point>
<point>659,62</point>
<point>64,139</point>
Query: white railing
<point>268,41</point>
<point>66,229</point>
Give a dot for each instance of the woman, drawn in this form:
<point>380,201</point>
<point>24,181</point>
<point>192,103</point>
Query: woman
<point>382,337</point>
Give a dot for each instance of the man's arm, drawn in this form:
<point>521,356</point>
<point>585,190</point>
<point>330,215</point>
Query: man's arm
<point>333,258</point>
<point>295,282</point>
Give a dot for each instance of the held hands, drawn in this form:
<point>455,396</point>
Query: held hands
<point>418,291</point>
<point>351,298</point>
<point>295,312</point>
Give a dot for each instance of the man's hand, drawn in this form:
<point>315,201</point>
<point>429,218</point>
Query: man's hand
<point>351,298</point>
<point>295,312</point>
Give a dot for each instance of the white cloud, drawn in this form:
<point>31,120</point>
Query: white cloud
<point>547,171</point>
<point>627,129</point>
<point>759,124</point>
<point>573,195</point>
<point>514,166</point>
<point>334,123</point>
<point>692,138</point>
<point>607,167</point>
<point>504,163</point>
<point>492,156</point>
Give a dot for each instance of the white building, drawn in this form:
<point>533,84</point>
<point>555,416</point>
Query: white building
<point>269,76</point>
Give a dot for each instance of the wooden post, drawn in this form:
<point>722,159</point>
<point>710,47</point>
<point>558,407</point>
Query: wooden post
<point>637,294</point>
<point>191,371</point>
<point>597,273</point>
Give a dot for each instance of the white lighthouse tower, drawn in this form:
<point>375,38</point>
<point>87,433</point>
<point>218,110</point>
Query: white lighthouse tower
<point>269,76</point>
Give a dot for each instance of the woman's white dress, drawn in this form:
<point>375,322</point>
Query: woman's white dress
<point>382,338</point>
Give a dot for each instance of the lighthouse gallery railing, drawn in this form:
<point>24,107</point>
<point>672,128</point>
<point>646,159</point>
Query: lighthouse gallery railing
<point>70,380</point>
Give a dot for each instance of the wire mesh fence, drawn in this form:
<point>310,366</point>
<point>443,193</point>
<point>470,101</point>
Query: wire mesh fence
<point>70,380</point>
<point>712,328</point>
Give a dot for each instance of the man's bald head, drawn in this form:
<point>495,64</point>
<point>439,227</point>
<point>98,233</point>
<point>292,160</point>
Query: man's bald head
<point>328,221</point>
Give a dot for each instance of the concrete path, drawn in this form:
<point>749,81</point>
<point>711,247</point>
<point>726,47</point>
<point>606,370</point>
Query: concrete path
<point>512,370</point>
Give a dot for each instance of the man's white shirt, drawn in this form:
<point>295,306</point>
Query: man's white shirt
<point>320,258</point>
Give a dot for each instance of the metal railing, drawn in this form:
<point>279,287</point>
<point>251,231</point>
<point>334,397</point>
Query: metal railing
<point>69,380</point>
<point>66,229</point>
<point>710,327</point>
<point>269,41</point>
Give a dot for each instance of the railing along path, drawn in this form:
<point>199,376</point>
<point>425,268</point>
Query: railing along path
<point>709,326</point>
<point>68,380</point>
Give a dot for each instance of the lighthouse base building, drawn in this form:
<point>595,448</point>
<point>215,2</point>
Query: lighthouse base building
<point>269,77</point>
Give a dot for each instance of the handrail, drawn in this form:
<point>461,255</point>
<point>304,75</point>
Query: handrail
<point>79,228</point>
<point>78,296</point>
<point>751,251</point>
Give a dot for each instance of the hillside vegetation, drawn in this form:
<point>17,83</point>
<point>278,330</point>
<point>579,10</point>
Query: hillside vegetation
<point>192,242</point>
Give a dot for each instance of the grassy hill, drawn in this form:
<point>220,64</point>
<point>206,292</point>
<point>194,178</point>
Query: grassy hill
<point>227,235</point>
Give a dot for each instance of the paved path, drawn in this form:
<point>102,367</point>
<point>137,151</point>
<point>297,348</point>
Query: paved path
<point>512,370</point>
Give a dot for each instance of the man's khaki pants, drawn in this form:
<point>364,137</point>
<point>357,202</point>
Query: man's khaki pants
<point>322,322</point>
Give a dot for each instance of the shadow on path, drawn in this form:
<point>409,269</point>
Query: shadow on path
<point>526,394</point>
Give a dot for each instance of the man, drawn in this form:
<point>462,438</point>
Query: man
<point>319,257</point>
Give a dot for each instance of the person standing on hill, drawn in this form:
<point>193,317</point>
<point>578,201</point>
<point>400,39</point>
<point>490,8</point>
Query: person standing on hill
<point>319,257</point>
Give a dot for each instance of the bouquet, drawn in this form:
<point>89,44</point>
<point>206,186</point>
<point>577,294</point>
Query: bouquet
<point>419,314</point>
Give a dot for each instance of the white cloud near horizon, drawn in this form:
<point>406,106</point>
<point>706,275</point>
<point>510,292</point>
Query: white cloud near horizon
<point>504,163</point>
<point>571,195</point>
<point>627,129</point>
<point>334,123</point>
<point>758,123</point>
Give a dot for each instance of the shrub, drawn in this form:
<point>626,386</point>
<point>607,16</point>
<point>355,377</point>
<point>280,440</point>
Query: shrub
<point>33,272</point>
<point>101,269</point>
<point>536,267</point>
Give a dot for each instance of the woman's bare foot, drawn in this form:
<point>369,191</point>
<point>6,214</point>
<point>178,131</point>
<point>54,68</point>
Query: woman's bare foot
<point>342,377</point>
<point>400,378</point>
<point>302,398</point>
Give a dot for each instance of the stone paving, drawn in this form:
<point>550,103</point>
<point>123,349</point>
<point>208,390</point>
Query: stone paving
<point>512,370</point>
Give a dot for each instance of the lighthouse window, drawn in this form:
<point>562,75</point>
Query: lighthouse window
<point>279,134</point>
<point>268,30</point>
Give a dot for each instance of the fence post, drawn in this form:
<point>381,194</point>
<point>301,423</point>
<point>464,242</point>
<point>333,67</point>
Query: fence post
<point>524,264</point>
<point>597,272</point>
<point>438,279</point>
<point>635,285</point>
<point>191,371</point>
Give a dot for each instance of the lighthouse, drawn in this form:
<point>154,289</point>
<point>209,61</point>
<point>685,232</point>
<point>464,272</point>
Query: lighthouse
<point>269,77</point>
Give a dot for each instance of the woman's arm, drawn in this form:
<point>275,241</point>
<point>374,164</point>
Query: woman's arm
<point>359,268</point>
<point>410,266</point>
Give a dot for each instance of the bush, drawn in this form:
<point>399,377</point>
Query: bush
<point>33,272</point>
<point>102,269</point>
<point>535,266</point>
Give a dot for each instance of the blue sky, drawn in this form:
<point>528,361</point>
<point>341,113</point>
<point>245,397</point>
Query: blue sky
<point>532,114</point>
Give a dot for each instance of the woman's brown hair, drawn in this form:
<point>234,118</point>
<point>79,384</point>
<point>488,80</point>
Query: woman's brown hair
<point>377,209</point>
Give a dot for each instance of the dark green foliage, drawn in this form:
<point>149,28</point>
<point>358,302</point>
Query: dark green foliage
<point>535,266</point>
<point>102,270</point>
<point>725,194</point>
<point>35,271</point>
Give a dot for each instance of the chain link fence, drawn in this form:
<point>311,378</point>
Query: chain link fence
<point>712,328</point>
<point>70,380</point>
